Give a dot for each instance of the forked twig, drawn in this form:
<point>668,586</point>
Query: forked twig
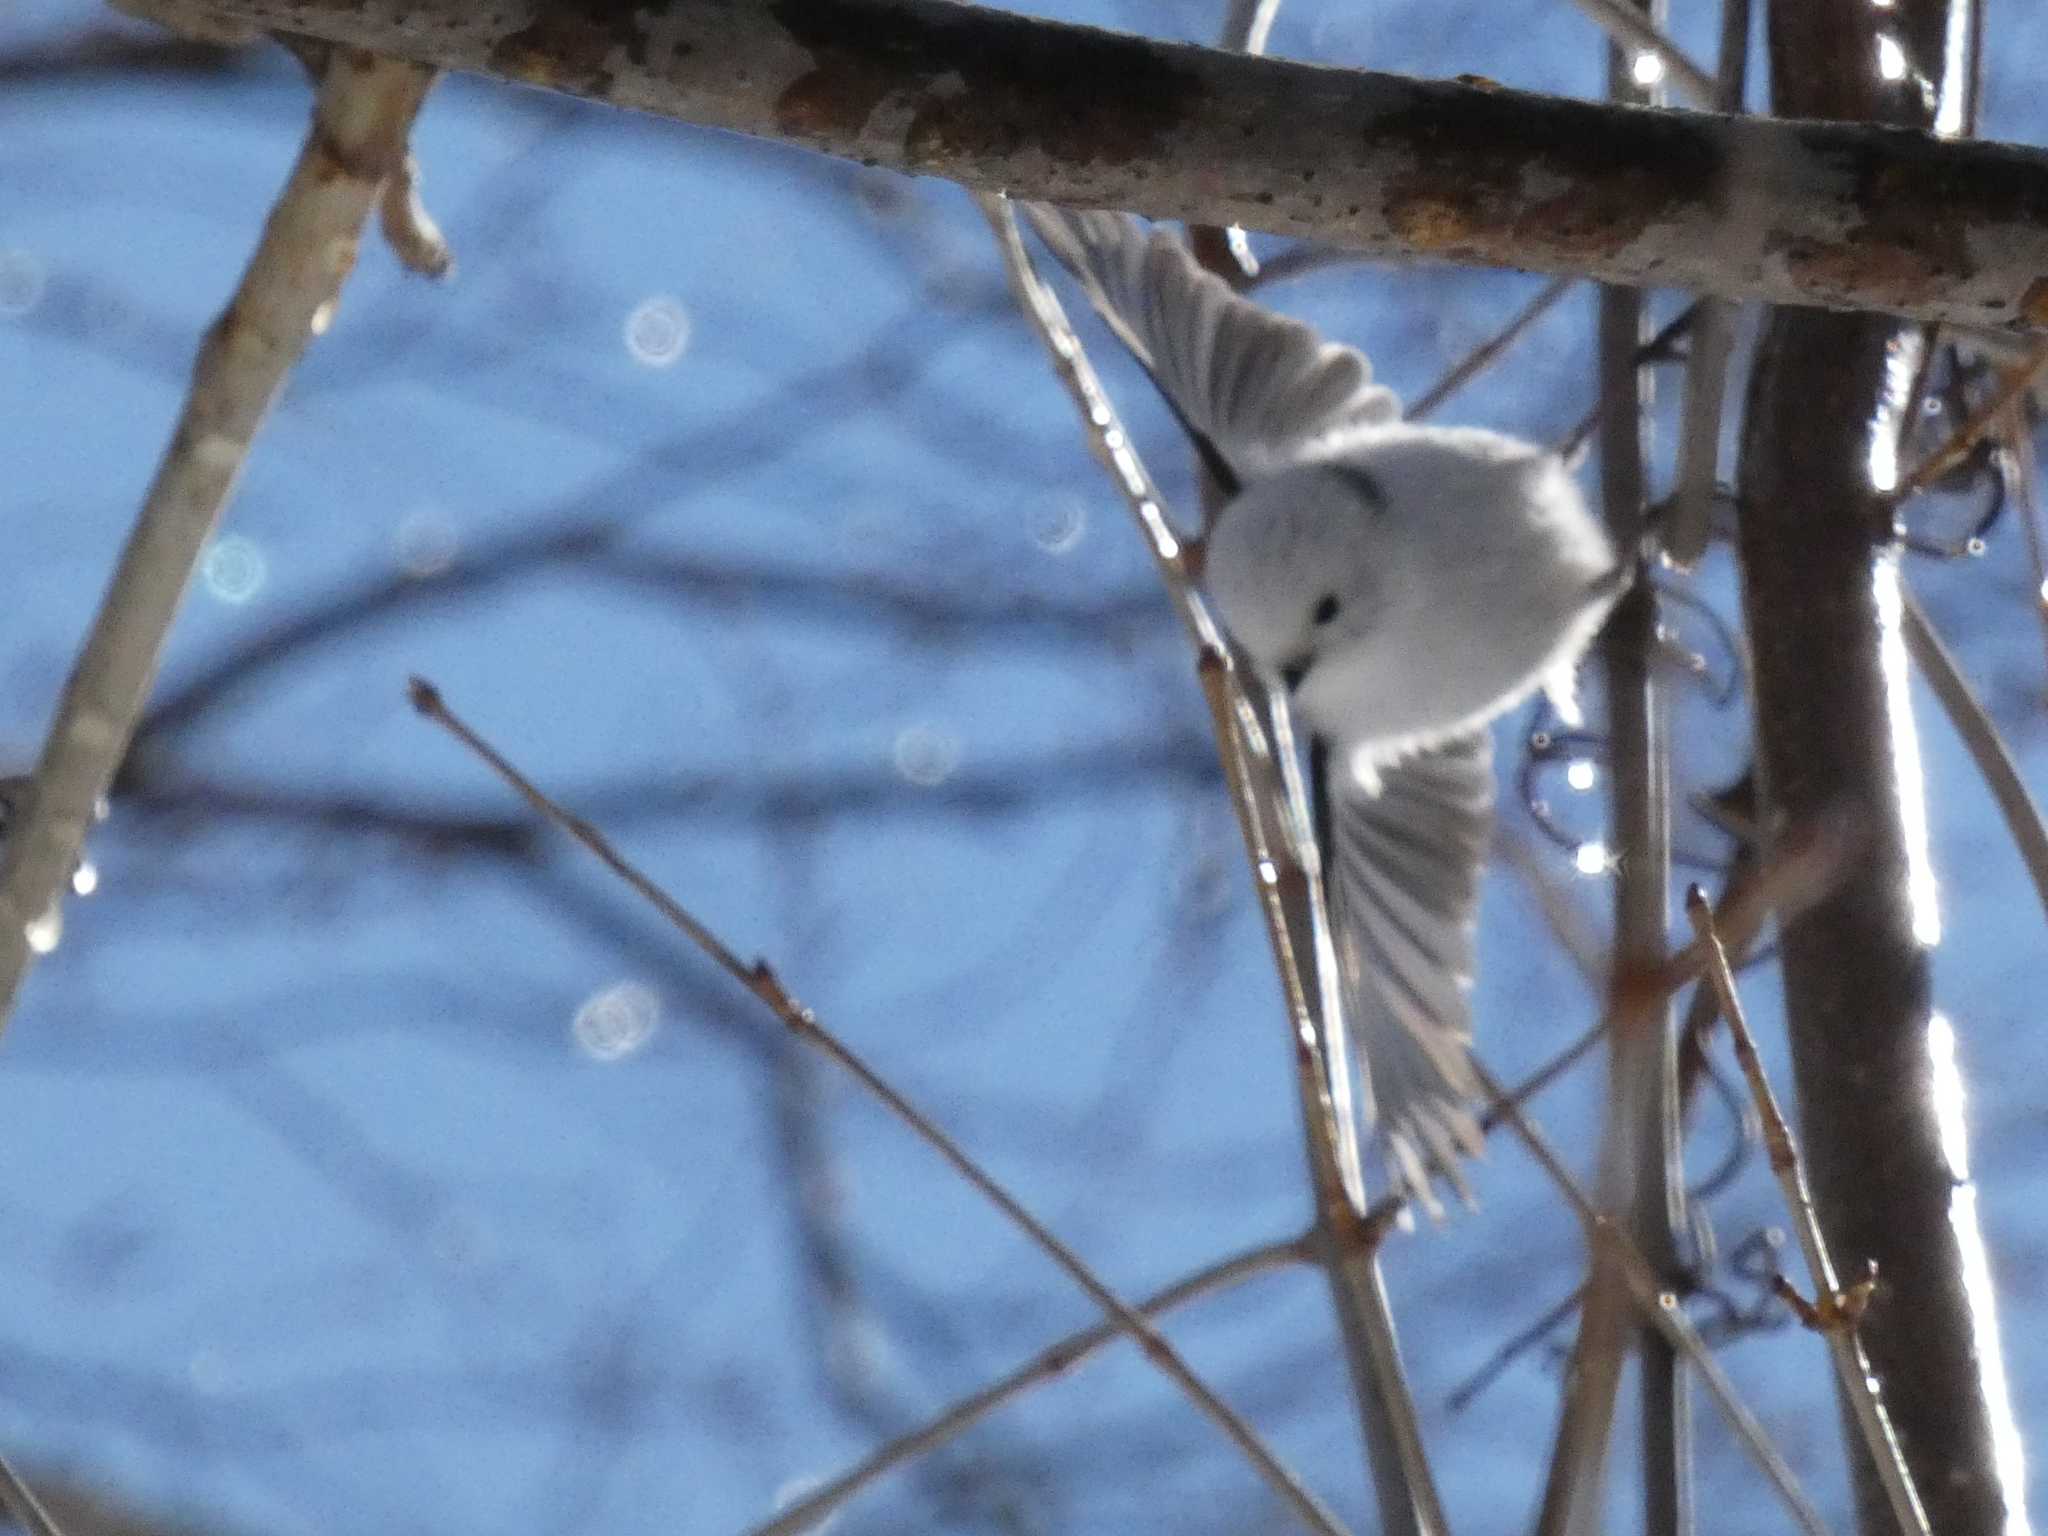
<point>1661,1310</point>
<point>1049,1363</point>
<point>760,979</point>
<point>360,126</point>
<point>2012,386</point>
<point>1058,1358</point>
<point>1641,1177</point>
<point>1833,1314</point>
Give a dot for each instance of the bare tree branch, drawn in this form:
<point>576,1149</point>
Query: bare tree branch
<point>760,979</point>
<point>1641,1176</point>
<point>1659,1309</point>
<point>1852,1366</point>
<point>1053,1361</point>
<point>1847,216</point>
<point>358,137</point>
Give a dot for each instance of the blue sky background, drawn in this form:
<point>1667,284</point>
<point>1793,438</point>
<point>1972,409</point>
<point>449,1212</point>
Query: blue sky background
<point>724,490</point>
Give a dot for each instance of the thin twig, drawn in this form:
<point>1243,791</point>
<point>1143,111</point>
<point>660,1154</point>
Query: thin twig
<point>2012,387</point>
<point>1271,808</point>
<point>1568,925</point>
<point>1704,1011</point>
<point>1688,524</point>
<point>2026,488</point>
<point>1630,28</point>
<point>1467,1391</point>
<point>1837,1324</point>
<point>1059,1358</point>
<point>1641,1176</point>
<point>1983,740</point>
<point>1047,1365</point>
<point>1662,1311</point>
<point>1797,876</point>
<point>1658,348</point>
<point>1491,350</point>
<point>360,125</point>
<point>1347,1242</point>
<point>1108,441</point>
<point>760,979</point>
<point>22,1504</point>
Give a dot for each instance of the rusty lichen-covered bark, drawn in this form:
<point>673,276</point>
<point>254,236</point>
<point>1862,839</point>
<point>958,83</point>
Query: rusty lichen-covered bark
<point>1846,216</point>
<point>1834,726</point>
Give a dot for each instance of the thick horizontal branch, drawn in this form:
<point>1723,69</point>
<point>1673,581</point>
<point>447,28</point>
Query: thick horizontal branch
<point>1851,216</point>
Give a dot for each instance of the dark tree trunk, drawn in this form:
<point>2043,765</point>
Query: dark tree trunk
<point>1834,731</point>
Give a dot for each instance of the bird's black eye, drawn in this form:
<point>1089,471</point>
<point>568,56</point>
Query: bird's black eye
<point>1326,610</point>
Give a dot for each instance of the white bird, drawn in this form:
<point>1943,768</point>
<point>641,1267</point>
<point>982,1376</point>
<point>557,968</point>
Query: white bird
<point>1405,584</point>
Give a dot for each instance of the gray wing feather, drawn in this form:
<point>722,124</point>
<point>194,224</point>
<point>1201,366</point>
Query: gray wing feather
<point>1267,390</point>
<point>1401,871</point>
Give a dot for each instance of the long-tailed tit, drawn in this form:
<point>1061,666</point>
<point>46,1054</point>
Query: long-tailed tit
<point>1404,584</point>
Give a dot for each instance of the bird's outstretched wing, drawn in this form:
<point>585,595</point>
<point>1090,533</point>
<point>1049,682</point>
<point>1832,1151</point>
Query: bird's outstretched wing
<point>1401,871</point>
<point>1265,390</point>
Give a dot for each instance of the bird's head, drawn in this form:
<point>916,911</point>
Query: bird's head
<point>1298,565</point>
<point>1349,554</point>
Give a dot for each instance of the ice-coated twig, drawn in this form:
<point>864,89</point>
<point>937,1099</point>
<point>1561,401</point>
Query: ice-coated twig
<point>1267,796</point>
<point>1048,1364</point>
<point>1641,1174</point>
<point>1107,439</point>
<point>760,979</point>
<point>361,120</point>
<point>1630,28</point>
<point>1833,1316</point>
<point>1057,1359</point>
<point>1661,1310</point>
